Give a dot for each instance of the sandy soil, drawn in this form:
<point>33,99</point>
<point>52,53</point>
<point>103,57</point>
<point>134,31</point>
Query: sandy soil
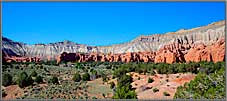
<point>13,91</point>
<point>144,89</point>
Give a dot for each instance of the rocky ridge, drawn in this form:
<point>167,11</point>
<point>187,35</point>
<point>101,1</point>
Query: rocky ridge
<point>171,53</point>
<point>170,47</point>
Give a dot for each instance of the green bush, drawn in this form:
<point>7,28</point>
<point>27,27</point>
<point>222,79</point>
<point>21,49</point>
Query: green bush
<point>54,80</point>
<point>103,95</point>
<point>150,80</point>
<point>34,74</point>
<point>152,72</point>
<point>166,94</point>
<point>86,77</point>
<point>6,79</point>
<point>124,80</point>
<point>124,92</point>
<point>94,72</point>
<point>24,80</point>
<point>108,67</point>
<point>39,79</point>
<point>155,90</point>
<point>112,85</point>
<point>29,80</point>
<point>3,93</point>
<point>208,84</point>
<point>124,88</point>
<point>76,77</point>
<point>104,78</point>
<point>94,98</point>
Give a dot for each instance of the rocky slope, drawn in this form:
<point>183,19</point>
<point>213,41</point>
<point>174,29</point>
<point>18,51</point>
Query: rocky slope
<point>171,53</point>
<point>170,47</point>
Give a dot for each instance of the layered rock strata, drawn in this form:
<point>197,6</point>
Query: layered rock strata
<point>169,47</point>
<point>170,53</point>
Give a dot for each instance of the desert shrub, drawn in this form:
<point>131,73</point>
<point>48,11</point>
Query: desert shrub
<point>81,97</point>
<point>94,97</point>
<point>91,70</point>
<point>181,68</point>
<point>34,74</point>
<point>138,70</point>
<point>85,70</point>
<point>17,67</point>
<point>124,89</point>
<point>162,68</point>
<point>155,90</point>
<point>113,77</point>
<point>22,79</point>
<point>120,71</point>
<point>86,77</point>
<point>112,85</point>
<point>124,80</point>
<point>124,92</point>
<point>205,86</point>
<point>54,80</point>
<point>3,93</point>
<point>77,77</point>
<point>29,80</point>
<point>103,95</point>
<point>39,79</point>
<point>40,66</point>
<point>94,74</point>
<point>166,94</point>
<point>104,78</point>
<point>6,79</point>
<point>108,67</point>
<point>152,72</point>
<point>15,80</point>
<point>150,80</point>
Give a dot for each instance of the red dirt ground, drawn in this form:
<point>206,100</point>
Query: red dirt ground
<point>13,91</point>
<point>144,89</point>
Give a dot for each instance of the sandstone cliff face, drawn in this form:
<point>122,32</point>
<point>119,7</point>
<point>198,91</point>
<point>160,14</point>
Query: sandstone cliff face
<point>170,47</point>
<point>126,57</point>
<point>170,53</point>
<point>21,59</point>
<point>200,52</point>
<point>173,52</point>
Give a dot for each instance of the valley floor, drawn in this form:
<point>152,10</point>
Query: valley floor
<point>110,80</point>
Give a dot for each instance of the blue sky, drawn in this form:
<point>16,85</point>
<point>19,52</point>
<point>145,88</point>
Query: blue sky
<point>102,23</point>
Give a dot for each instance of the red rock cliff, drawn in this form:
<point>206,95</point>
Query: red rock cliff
<point>170,53</point>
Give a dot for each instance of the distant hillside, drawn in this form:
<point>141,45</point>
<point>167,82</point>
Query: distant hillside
<point>205,34</point>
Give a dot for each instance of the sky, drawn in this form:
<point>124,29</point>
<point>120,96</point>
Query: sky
<point>102,23</point>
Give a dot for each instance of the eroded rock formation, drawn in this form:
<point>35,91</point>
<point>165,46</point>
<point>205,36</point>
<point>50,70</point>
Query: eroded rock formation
<point>126,57</point>
<point>204,43</point>
<point>170,53</point>
<point>21,59</point>
<point>200,52</point>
